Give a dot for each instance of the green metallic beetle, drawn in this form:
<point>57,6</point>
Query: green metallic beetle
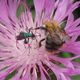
<point>25,36</point>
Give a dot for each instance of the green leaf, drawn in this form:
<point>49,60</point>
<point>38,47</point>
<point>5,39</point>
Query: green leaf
<point>20,10</point>
<point>77,77</point>
<point>11,75</point>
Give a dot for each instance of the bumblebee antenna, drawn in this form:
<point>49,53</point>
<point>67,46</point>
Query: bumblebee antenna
<point>41,27</point>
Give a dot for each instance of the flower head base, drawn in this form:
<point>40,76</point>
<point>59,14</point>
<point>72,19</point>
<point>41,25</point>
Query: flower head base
<point>22,44</point>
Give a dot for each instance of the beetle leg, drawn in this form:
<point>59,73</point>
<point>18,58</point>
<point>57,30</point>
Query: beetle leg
<point>26,41</point>
<point>41,42</point>
<point>30,29</point>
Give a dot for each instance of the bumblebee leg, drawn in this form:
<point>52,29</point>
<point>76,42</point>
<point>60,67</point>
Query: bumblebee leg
<point>41,42</point>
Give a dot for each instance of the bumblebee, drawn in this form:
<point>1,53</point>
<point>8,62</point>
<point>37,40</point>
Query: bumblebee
<point>55,36</point>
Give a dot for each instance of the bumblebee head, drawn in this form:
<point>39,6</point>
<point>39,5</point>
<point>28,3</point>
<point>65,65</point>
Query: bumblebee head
<point>47,24</point>
<point>51,25</point>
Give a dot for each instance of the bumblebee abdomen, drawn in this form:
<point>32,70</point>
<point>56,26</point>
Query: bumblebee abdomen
<point>50,45</point>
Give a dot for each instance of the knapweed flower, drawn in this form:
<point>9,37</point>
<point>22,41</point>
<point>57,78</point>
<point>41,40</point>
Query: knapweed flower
<point>24,58</point>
